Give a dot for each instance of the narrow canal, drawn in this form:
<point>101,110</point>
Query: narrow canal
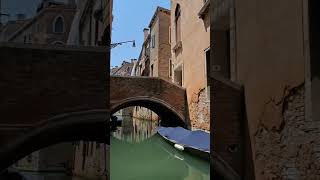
<point>139,153</point>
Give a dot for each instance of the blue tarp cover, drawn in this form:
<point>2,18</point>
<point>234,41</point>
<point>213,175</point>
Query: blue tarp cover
<point>195,139</point>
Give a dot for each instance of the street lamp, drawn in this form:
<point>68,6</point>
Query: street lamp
<point>113,45</point>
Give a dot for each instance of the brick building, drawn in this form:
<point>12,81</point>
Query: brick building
<point>190,48</point>
<point>160,43</point>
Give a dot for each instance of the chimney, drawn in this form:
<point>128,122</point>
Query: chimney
<point>145,33</point>
<point>21,16</point>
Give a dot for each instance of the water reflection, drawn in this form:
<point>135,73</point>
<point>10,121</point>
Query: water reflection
<point>135,130</point>
<point>137,152</point>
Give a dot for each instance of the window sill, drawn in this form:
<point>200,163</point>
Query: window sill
<point>178,46</point>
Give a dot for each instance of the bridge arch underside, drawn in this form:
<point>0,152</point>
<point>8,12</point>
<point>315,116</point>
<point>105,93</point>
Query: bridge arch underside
<point>168,116</point>
<point>78,126</point>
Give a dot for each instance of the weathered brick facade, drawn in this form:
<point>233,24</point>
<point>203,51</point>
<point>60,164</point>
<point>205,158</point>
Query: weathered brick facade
<point>42,82</point>
<point>294,143</point>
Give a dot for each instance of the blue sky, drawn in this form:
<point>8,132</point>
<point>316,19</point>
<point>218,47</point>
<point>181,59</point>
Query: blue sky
<point>130,17</point>
<point>14,7</point>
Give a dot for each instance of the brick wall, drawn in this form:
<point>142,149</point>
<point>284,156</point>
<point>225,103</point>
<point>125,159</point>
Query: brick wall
<point>291,151</point>
<point>41,82</point>
<point>163,97</point>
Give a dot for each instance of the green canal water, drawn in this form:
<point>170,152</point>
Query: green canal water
<point>139,153</point>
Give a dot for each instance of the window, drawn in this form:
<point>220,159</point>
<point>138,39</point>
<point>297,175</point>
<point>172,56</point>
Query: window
<point>170,68</point>
<point>152,70</point>
<point>169,34</point>
<point>29,158</point>
<point>153,41</point>
<point>96,32</point>
<point>177,15</point>
<point>59,25</point>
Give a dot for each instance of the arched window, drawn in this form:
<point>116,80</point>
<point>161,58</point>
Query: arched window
<point>177,16</point>
<point>59,25</point>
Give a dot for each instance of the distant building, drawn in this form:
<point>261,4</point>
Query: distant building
<point>160,52</point>
<point>51,25</point>
<point>92,23</point>
<point>155,55</point>
<point>125,69</point>
<point>143,65</point>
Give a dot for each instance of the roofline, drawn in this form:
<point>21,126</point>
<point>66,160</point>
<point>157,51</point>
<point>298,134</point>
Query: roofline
<point>33,20</point>
<point>156,14</point>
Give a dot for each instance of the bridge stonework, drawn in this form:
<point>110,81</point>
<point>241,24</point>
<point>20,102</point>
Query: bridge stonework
<point>163,97</point>
<point>50,94</point>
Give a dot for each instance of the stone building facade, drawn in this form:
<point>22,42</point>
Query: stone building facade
<point>91,23</point>
<point>51,25</point>
<point>276,63</point>
<point>190,45</point>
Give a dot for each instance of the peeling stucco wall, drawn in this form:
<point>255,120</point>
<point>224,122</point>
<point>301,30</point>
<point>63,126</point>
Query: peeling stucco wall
<point>289,151</point>
<point>200,110</point>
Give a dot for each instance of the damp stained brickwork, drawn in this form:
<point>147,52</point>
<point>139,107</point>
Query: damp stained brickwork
<point>290,151</point>
<point>200,110</point>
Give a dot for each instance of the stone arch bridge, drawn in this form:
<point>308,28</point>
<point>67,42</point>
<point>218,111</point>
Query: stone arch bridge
<point>164,98</point>
<point>52,94</point>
